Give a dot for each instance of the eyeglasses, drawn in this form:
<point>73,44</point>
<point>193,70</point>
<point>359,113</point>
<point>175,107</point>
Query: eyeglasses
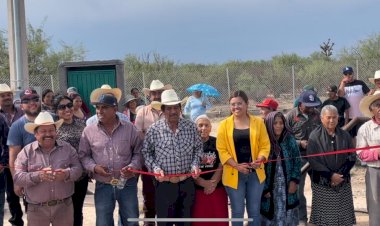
<point>348,73</point>
<point>64,106</point>
<point>31,100</point>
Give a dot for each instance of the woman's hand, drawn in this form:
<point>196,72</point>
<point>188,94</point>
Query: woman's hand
<point>244,168</point>
<point>292,187</point>
<point>209,186</point>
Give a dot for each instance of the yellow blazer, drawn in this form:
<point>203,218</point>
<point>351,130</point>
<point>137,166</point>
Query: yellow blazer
<point>260,145</point>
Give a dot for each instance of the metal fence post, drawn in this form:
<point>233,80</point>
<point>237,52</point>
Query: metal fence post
<point>357,69</point>
<point>143,78</point>
<point>228,83</point>
<point>293,82</point>
<point>52,82</point>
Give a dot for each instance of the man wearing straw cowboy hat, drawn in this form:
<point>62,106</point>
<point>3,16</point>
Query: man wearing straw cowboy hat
<point>47,169</point>
<point>146,116</point>
<point>376,81</point>
<point>109,149</point>
<point>173,146</point>
<point>369,135</point>
<point>105,89</point>
<point>11,113</point>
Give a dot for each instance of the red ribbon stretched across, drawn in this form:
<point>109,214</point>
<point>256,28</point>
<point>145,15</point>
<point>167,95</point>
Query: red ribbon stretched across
<point>274,160</point>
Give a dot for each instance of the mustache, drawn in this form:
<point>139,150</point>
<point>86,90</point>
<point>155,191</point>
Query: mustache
<point>47,137</point>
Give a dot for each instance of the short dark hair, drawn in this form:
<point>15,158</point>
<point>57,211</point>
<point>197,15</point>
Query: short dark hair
<point>45,92</point>
<point>58,99</point>
<point>133,89</point>
<point>241,94</point>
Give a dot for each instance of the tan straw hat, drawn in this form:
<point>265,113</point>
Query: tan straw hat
<point>376,76</point>
<point>44,118</point>
<point>367,101</point>
<point>105,89</point>
<point>156,85</point>
<point>4,88</point>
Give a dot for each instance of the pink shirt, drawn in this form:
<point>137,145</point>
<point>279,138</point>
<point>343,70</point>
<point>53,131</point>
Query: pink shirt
<point>32,159</point>
<point>115,151</point>
<point>146,116</point>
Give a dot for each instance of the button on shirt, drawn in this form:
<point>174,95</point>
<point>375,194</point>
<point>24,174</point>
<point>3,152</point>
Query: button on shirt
<point>32,159</point>
<point>174,153</point>
<point>369,135</point>
<point>121,148</point>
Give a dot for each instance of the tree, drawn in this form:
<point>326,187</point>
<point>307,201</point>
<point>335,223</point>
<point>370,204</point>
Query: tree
<point>326,48</point>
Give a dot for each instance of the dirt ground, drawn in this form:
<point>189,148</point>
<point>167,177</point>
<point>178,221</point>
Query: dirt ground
<point>358,186</point>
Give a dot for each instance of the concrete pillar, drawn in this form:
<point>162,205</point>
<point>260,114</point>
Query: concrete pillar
<point>17,45</point>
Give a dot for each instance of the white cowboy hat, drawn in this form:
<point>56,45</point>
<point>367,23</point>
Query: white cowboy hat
<point>4,88</point>
<point>44,118</point>
<point>367,101</point>
<point>156,85</point>
<point>168,97</point>
<point>376,76</point>
<point>104,89</point>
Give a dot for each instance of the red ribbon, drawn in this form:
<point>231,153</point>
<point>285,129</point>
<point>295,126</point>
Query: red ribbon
<point>274,160</point>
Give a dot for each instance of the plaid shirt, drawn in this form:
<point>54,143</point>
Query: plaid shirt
<point>172,152</point>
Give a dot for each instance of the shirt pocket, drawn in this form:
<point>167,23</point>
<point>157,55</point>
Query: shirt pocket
<point>187,147</point>
<point>164,149</point>
<point>62,164</point>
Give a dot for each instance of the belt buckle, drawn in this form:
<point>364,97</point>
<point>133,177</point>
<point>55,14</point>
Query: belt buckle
<point>52,203</point>
<point>174,180</point>
<point>114,182</point>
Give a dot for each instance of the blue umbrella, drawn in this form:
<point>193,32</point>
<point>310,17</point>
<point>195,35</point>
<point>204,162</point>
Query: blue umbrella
<point>206,89</point>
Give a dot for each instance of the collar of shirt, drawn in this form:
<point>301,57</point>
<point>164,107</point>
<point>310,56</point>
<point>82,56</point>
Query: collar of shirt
<point>36,146</point>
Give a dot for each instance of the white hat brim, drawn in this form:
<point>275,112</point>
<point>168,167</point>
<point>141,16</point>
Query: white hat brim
<point>157,105</point>
<point>365,102</point>
<point>96,93</point>
<point>146,91</point>
<point>31,126</point>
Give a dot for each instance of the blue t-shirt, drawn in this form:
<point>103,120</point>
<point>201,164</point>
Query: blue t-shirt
<point>17,134</point>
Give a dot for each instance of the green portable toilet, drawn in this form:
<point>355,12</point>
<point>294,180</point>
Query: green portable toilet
<point>89,75</point>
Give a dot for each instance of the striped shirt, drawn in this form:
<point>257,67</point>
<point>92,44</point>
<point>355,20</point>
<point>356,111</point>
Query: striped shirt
<point>173,153</point>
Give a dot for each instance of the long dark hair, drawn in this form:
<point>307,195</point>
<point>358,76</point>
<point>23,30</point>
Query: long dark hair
<point>241,94</point>
<point>269,122</point>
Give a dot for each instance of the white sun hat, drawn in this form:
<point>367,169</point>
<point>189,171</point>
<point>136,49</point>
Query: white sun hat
<point>156,85</point>
<point>376,76</point>
<point>105,89</point>
<point>168,97</point>
<point>43,119</point>
<point>4,88</point>
<point>367,101</point>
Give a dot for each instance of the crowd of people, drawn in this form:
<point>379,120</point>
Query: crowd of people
<point>51,148</point>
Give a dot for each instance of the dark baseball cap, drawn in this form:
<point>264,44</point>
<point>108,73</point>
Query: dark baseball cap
<point>28,93</point>
<point>309,99</point>
<point>106,99</point>
<point>332,89</point>
<point>347,69</point>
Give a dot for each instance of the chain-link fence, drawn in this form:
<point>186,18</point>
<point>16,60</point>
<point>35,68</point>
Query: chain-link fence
<point>257,79</point>
<point>283,82</point>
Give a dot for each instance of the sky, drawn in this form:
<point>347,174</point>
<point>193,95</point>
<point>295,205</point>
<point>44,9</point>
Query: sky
<point>201,31</point>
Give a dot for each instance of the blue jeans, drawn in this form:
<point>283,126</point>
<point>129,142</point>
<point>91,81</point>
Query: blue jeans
<point>106,196</point>
<point>2,197</point>
<point>249,190</point>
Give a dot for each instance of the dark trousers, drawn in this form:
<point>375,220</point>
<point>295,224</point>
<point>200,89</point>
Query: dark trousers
<point>148,192</point>
<point>78,200</point>
<point>13,201</point>
<point>175,200</point>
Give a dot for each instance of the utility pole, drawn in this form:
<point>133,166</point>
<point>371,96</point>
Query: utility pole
<point>17,45</point>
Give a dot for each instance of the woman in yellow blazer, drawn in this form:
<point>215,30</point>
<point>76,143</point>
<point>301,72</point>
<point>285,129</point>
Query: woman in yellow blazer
<point>243,144</point>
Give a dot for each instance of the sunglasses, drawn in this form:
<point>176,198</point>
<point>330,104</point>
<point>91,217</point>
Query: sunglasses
<point>64,106</point>
<point>348,73</point>
<point>28,101</point>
